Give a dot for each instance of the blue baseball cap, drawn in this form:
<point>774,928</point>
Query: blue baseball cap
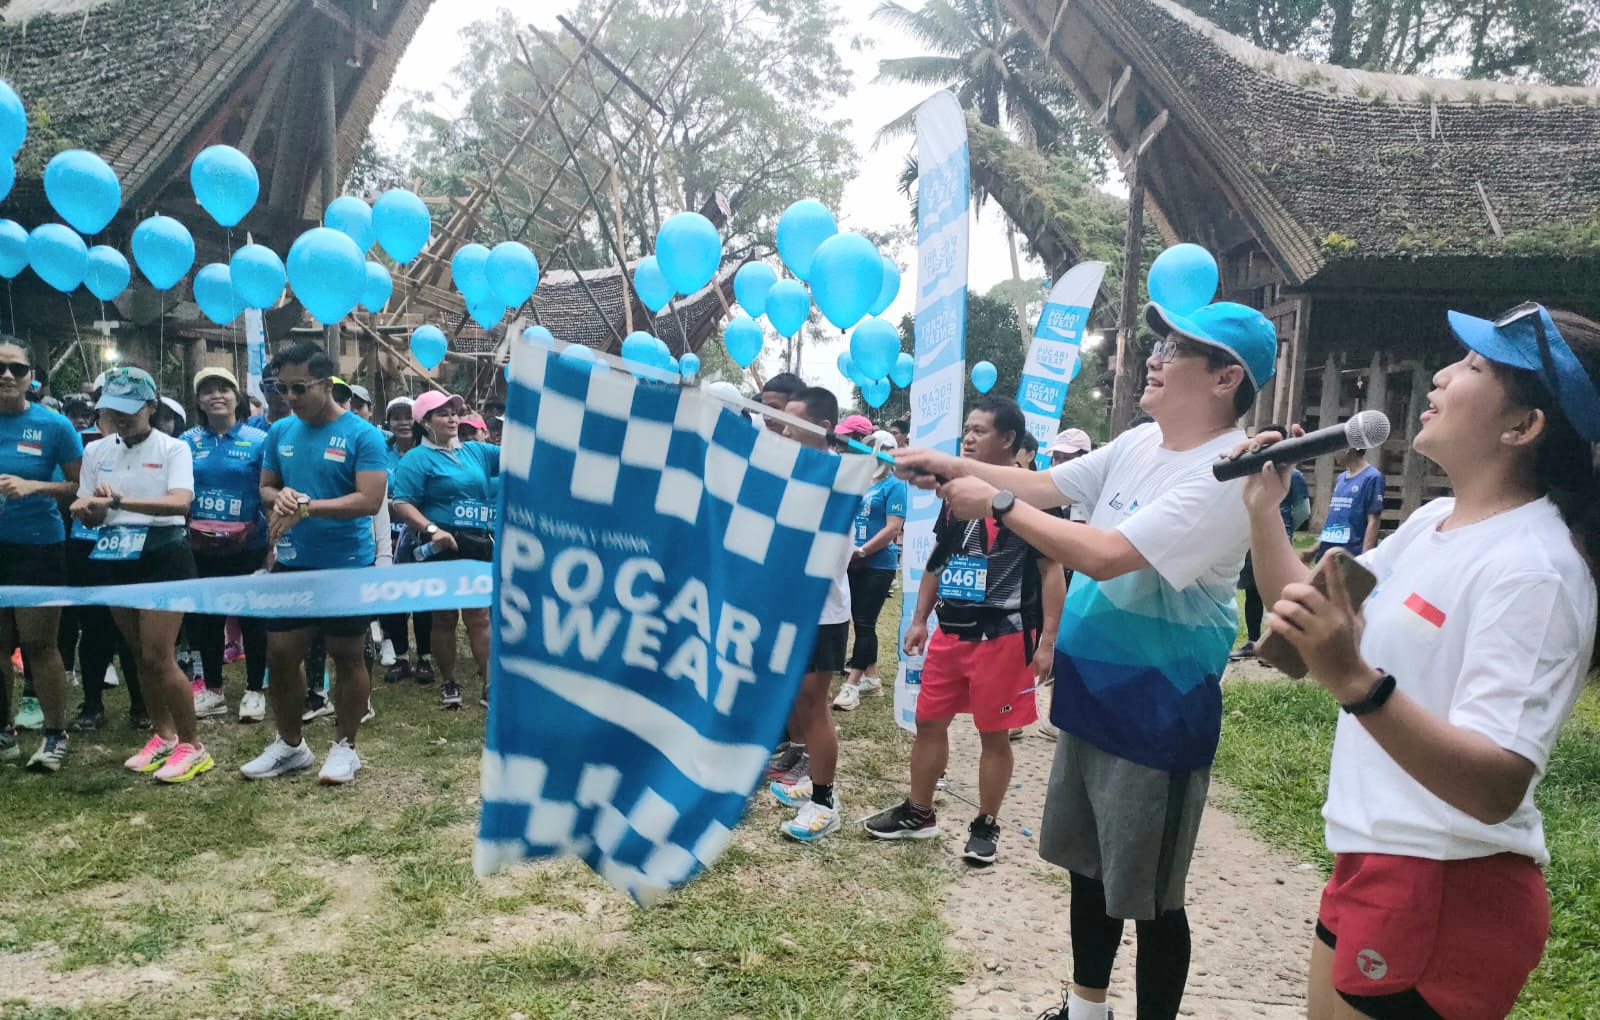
<point>126,390</point>
<point>1513,340</point>
<point>1239,330</point>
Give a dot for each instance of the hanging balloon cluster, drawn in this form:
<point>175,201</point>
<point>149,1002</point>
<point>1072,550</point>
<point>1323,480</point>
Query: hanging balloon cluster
<point>688,253</point>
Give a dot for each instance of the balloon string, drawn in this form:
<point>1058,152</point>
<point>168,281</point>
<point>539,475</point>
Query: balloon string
<point>12,305</point>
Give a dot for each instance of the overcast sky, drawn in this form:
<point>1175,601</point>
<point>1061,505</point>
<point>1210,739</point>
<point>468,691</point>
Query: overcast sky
<point>871,200</point>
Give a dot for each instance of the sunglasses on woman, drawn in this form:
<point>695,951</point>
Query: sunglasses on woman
<point>298,389</point>
<point>16,369</point>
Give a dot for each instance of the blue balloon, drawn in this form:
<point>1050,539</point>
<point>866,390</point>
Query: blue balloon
<point>905,366</point>
<point>379,285</point>
<point>539,335</point>
<point>163,250</point>
<point>689,365</point>
<point>788,306</point>
<point>13,247</point>
<point>801,229</point>
<point>651,284</point>
<point>258,275</point>
<point>874,346</point>
<point>214,293</point>
<point>107,273</point>
<point>8,176</point>
<point>58,255</point>
<point>84,189</point>
<point>401,221</point>
<point>846,364</point>
<point>327,273</point>
<point>513,273</point>
<point>577,354</point>
<point>846,276</point>
<point>13,121</point>
<point>875,392</point>
<point>486,313</point>
<point>225,183</point>
<point>689,250</point>
<point>640,348</point>
<point>353,218</point>
<point>984,376</point>
<point>428,346</point>
<point>469,268</point>
<point>750,286</point>
<point>743,339</point>
<point>890,289</point>
<point>1183,279</point>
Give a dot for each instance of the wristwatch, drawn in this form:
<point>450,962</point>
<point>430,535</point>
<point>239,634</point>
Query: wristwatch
<point>116,502</point>
<point>431,530</point>
<point>1002,503</point>
<point>304,502</point>
<point>1375,699</point>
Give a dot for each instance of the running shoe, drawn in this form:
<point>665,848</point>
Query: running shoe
<point>138,718</point>
<point>399,671</point>
<point>812,822</point>
<point>849,698</point>
<point>369,715</point>
<point>869,687</point>
<point>9,751</point>
<point>1245,651</point>
<point>450,694</point>
<point>197,684</point>
<point>232,653</point>
<point>152,756</point>
<point>278,759</point>
<point>209,704</point>
<point>784,759</point>
<point>253,706</point>
<point>317,706</point>
<point>792,794</point>
<point>51,753</point>
<point>798,771</point>
<point>903,822</point>
<point>185,762</point>
<point>386,656</point>
<point>30,716</point>
<point>1018,734</point>
<point>87,721</point>
<point>984,842</point>
<point>342,765</point>
<point>425,670</point>
<point>1060,1013</point>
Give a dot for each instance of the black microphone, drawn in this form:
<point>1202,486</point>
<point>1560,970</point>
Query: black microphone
<point>1366,431</point>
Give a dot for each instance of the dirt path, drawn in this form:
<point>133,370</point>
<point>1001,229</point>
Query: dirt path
<point>1252,910</point>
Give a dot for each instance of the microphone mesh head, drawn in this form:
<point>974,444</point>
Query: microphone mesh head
<point>1367,430</point>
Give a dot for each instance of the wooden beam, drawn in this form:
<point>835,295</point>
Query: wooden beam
<point>621,75</point>
<point>372,41</point>
<point>1122,396</point>
<point>1152,131</point>
<point>1327,414</point>
<point>1413,465</point>
<point>1113,95</point>
<point>266,100</point>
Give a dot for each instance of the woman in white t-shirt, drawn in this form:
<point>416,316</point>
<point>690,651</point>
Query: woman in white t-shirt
<point>134,492</point>
<point>1455,677</point>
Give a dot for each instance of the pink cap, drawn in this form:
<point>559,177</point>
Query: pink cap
<point>431,401</point>
<point>476,421</point>
<point>855,425</point>
<point>1070,441</point>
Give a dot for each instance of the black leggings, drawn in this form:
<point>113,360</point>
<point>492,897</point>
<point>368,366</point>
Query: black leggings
<point>394,628</point>
<point>1254,609</point>
<point>98,640</point>
<point>869,590</point>
<point>1162,968</point>
<point>208,634</point>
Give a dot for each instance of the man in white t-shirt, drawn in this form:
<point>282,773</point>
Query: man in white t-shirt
<point>811,719</point>
<point>1144,638</point>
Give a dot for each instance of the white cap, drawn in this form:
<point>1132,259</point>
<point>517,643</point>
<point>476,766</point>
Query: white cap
<point>881,440</point>
<point>176,408</point>
<point>726,392</point>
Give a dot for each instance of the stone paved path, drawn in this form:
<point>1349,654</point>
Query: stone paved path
<point>1252,911</point>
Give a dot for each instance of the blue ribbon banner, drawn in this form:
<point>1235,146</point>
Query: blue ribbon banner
<point>372,591</point>
<point>662,566</point>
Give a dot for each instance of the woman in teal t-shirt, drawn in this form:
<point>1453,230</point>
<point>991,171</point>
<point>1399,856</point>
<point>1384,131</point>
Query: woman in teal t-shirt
<point>445,491</point>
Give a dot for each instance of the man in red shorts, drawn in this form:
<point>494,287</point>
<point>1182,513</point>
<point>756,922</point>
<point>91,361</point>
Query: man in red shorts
<point>998,603</point>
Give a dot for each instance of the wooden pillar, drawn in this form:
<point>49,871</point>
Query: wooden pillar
<point>1328,414</point>
<point>1123,397</point>
<point>1378,385</point>
<point>329,109</point>
<point>1414,466</point>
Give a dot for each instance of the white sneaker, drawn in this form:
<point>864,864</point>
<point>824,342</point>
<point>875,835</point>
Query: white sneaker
<point>869,687</point>
<point>849,699</point>
<point>253,706</point>
<point>209,704</point>
<point>386,656</point>
<point>342,765</point>
<point>112,679</point>
<point>371,715</point>
<point>813,822</point>
<point>279,759</point>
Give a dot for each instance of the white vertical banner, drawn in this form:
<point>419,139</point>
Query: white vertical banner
<point>944,198</point>
<point>255,346</point>
<point>1052,361</point>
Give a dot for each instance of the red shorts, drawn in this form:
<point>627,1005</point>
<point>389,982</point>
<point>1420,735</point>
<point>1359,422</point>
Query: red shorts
<point>991,679</point>
<point>1410,935</point>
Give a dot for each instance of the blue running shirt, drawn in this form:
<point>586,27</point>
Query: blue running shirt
<point>451,488</point>
<point>884,500</point>
<point>1139,658</point>
<point>227,475</point>
<point>322,461</point>
<point>34,445</point>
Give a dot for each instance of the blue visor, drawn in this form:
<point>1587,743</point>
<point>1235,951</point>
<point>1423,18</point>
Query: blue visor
<point>1513,341</point>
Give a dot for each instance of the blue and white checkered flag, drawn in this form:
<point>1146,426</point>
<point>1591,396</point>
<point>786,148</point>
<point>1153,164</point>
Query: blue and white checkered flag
<point>661,569</point>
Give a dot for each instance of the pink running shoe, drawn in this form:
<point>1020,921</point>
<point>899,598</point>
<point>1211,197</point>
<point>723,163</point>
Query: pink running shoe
<point>185,762</point>
<point>155,752</point>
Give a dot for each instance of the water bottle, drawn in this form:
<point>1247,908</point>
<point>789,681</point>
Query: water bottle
<point>425,552</point>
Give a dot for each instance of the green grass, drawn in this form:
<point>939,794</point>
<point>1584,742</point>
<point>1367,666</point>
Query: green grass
<point>288,901</point>
<point>1276,739</point>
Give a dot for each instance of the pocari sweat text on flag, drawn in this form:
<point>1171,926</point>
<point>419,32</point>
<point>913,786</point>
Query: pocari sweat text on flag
<point>661,567</point>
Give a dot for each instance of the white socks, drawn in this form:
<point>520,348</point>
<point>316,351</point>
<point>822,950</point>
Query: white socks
<point>1083,1009</point>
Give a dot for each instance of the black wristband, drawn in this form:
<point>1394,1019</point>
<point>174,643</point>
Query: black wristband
<point>1375,699</point>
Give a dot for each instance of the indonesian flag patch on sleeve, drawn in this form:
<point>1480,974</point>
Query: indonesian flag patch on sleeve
<point>334,454</point>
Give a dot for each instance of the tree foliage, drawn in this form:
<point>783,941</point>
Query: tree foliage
<point>741,119</point>
<point>1555,41</point>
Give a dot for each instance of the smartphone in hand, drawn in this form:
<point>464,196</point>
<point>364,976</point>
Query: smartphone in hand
<point>1358,581</point>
